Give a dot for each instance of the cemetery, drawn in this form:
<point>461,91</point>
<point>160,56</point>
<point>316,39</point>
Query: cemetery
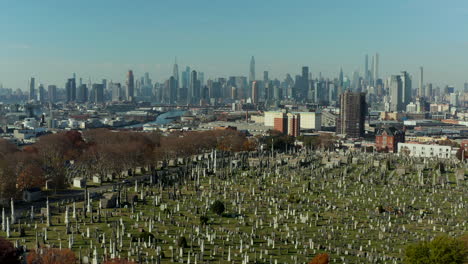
<point>258,207</point>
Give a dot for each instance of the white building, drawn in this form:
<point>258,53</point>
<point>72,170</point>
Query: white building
<point>411,108</point>
<point>426,150</point>
<point>30,123</point>
<point>270,117</point>
<point>311,120</point>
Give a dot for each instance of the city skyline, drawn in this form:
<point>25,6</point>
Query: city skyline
<point>44,41</point>
<point>121,76</point>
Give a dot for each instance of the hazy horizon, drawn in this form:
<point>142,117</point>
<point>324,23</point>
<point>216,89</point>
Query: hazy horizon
<point>50,40</point>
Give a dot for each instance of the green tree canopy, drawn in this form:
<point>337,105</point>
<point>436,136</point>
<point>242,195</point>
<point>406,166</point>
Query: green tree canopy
<point>442,249</point>
<point>218,207</point>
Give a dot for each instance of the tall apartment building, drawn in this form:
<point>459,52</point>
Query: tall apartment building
<point>353,109</point>
<point>294,124</point>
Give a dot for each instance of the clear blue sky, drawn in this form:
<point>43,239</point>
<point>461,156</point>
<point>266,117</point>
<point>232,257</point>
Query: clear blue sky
<point>51,39</point>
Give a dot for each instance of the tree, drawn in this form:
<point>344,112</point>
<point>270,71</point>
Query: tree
<point>218,207</point>
<point>203,220</point>
<point>7,179</point>
<point>279,141</point>
<point>249,145</point>
<point>229,140</point>
<point>118,152</point>
<point>54,150</point>
<point>182,242</point>
<point>442,249</point>
<point>51,256</point>
<point>8,253</point>
<point>322,258</point>
<point>31,176</point>
<point>7,148</point>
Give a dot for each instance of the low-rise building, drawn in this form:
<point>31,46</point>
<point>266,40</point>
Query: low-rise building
<point>426,150</point>
<point>387,139</point>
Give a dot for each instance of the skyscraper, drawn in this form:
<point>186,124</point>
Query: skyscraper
<point>304,82</point>
<point>82,96</point>
<point>366,69</point>
<point>41,98</point>
<point>201,78</point>
<point>32,89</point>
<point>214,89</point>
<point>429,90</point>
<point>186,78</point>
<point>98,93</point>
<point>116,92</point>
<point>52,92</point>
<point>70,88</point>
<point>376,69</point>
<point>194,91</point>
<point>341,77</point>
<point>400,91</point>
<point>170,93</point>
<point>407,88</point>
<point>130,86</point>
<point>175,72</point>
<point>252,70</point>
<point>396,93</point>
<point>421,92</point>
<point>353,109</point>
<point>255,92</point>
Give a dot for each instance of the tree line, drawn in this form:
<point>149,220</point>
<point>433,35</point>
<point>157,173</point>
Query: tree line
<point>57,158</point>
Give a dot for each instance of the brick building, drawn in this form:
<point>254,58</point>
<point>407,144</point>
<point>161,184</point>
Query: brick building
<point>387,139</point>
<point>288,124</point>
<point>294,125</point>
<point>280,123</point>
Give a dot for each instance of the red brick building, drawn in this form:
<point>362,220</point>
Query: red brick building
<point>387,139</point>
<point>289,124</point>
<point>294,125</point>
<point>464,149</point>
<point>281,124</point>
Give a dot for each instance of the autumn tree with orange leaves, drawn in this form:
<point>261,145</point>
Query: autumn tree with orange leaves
<point>322,258</point>
<point>51,256</point>
<point>31,176</point>
<point>54,150</point>
<point>102,152</point>
<point>7,179</point>
<point>8,253</point>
